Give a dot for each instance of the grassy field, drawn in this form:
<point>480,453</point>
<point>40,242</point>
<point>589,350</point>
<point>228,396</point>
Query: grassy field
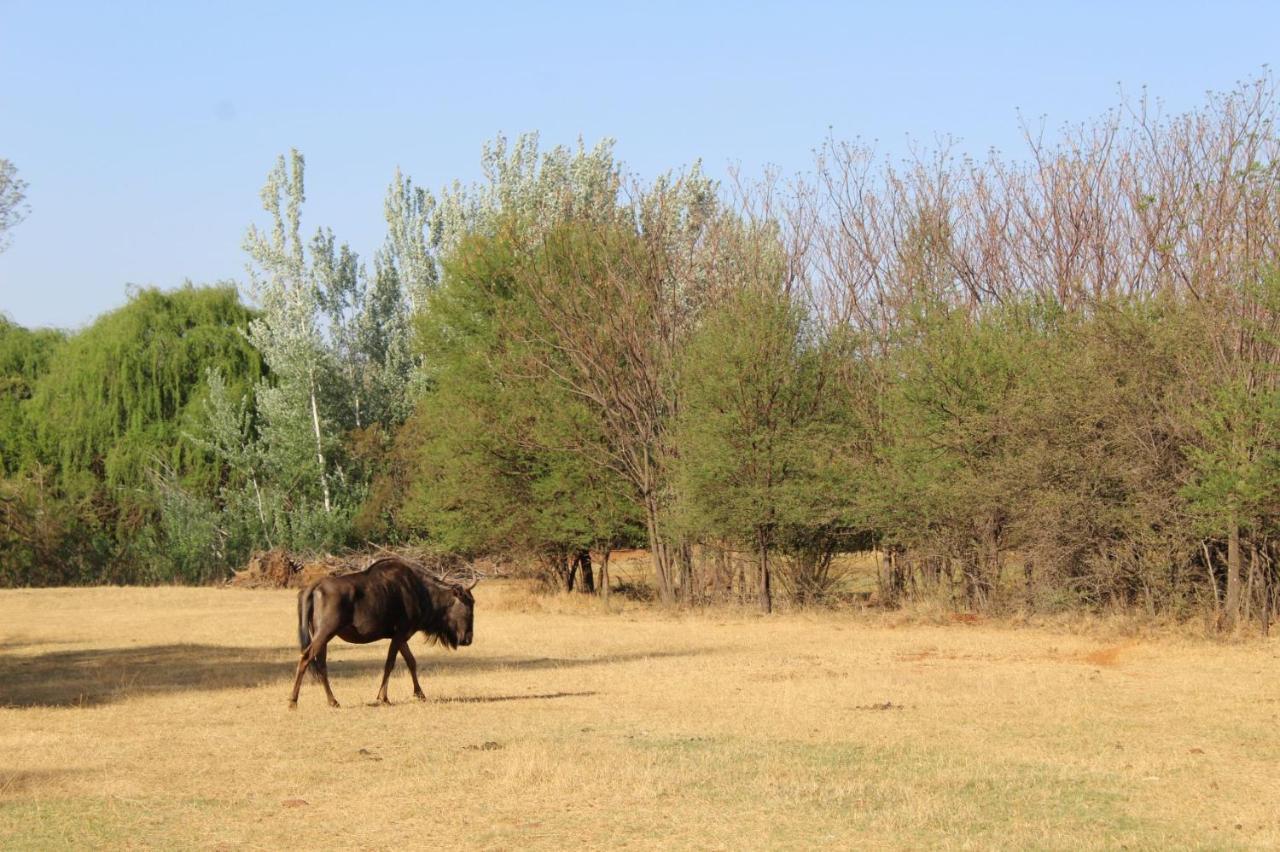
<point>157,718</point>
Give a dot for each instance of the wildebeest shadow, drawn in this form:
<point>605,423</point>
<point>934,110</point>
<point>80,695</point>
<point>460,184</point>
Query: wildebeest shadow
<point>87,678</point>
<point>19,781</point>
<point>487,699</point>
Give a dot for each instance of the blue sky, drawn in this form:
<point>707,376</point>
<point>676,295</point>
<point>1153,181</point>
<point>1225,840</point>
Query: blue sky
<point>145,130</point>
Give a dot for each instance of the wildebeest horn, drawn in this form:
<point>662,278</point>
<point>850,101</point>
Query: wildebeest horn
<point>472,584</point>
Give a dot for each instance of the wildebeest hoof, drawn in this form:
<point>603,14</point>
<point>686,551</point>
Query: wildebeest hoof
<point>293,705</point>
<point>333,703</point>
<point>421,696</point>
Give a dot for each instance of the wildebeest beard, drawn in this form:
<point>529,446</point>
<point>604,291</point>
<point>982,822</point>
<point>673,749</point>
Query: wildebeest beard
<point>445,630</point>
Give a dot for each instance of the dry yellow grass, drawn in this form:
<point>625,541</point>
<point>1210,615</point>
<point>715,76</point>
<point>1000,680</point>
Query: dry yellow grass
<point>157,718</point>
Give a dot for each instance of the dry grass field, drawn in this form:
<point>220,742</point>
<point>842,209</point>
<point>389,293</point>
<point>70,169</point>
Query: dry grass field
<point>145,718</point>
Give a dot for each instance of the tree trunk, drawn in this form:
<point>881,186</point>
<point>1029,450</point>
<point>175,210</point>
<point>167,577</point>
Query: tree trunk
<point>1249,590</point>
<point>1268,588</point>
<point>1231,609</point>
<point>262,516</point>
<point>765,593</point>
<point>658,552</point>
<point>741,582</point>
<point>1213,583</point>
<point>315,425</point>
<point>724,574</point>
<point>684,558</point>
<point>588,584</point>
<point>604,576</point>
<point>893,582</point>
<point>570,569</point>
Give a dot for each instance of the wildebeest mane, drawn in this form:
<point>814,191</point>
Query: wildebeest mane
<point>434,631</point>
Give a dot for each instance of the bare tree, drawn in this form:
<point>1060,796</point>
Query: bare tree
<point>13,200</point>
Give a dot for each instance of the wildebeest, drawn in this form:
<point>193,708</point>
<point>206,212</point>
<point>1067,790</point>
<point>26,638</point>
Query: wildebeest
<point>391,599</point>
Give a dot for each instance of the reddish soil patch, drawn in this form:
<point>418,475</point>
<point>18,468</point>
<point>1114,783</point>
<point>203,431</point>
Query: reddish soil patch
<point>1109,656</point>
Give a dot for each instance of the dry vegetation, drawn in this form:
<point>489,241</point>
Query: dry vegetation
<point>156,718</point>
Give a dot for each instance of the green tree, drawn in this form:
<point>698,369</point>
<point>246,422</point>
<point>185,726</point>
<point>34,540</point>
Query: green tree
<point>108,417</point>
<point>494,450</point>
<point>755,415</point>
<point>25,356</point>
<point>289,335</point>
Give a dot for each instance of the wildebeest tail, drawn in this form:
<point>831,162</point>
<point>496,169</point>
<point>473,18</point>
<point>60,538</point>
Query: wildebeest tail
<point>318,663</point>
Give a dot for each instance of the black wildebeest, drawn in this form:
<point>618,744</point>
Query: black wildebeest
<point>391,599</point>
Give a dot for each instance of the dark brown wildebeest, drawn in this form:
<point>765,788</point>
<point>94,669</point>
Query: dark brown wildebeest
<point>391,599</point>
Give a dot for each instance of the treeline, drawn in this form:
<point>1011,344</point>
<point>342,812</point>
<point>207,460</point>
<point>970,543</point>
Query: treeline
<point>1044,382</point>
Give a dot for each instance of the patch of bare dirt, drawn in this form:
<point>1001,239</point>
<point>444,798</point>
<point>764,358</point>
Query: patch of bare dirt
<point>1108,656</point>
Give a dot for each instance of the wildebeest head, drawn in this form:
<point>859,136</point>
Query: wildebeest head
<point>459,615</point>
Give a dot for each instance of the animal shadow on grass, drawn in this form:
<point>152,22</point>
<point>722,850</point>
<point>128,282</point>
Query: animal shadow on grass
<point>16,782</point>
<point>88,678</point>
<point>488,699</point>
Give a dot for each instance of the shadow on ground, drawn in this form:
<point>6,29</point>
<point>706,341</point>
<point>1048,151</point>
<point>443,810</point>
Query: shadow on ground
<point>488,699</point>
<point>15,782</point>
<point>88,678</point>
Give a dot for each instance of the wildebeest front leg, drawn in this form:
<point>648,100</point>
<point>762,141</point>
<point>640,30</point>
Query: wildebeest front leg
<point>413,669</point>
<point>386,673</point>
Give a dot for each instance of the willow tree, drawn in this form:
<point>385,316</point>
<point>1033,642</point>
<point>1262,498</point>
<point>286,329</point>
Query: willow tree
<point>25,356</point>
<point>109,415</point>
<point>115,402</point>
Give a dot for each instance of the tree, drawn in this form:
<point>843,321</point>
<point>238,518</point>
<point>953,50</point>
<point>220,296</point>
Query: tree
<point>288,333</point>
<point>649,268</point>
<point>539,188</point>
<point>752,427</point>
<point>114,403</point>
<point>409,253</point>
<point>1236,454</point>
<point>492,448</point>
<point>13,197</point>
<point>25,356</point>
<point>108,417</point>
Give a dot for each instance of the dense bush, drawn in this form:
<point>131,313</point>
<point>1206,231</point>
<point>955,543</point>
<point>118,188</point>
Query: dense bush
<point>106,414</point>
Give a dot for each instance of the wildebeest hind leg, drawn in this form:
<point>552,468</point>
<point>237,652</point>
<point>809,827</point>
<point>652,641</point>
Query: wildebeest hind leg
<point>386,673</point>
<point>328,691</point>
<point>297,680</point>
<point>413,669</point>
<point>315,649</point>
